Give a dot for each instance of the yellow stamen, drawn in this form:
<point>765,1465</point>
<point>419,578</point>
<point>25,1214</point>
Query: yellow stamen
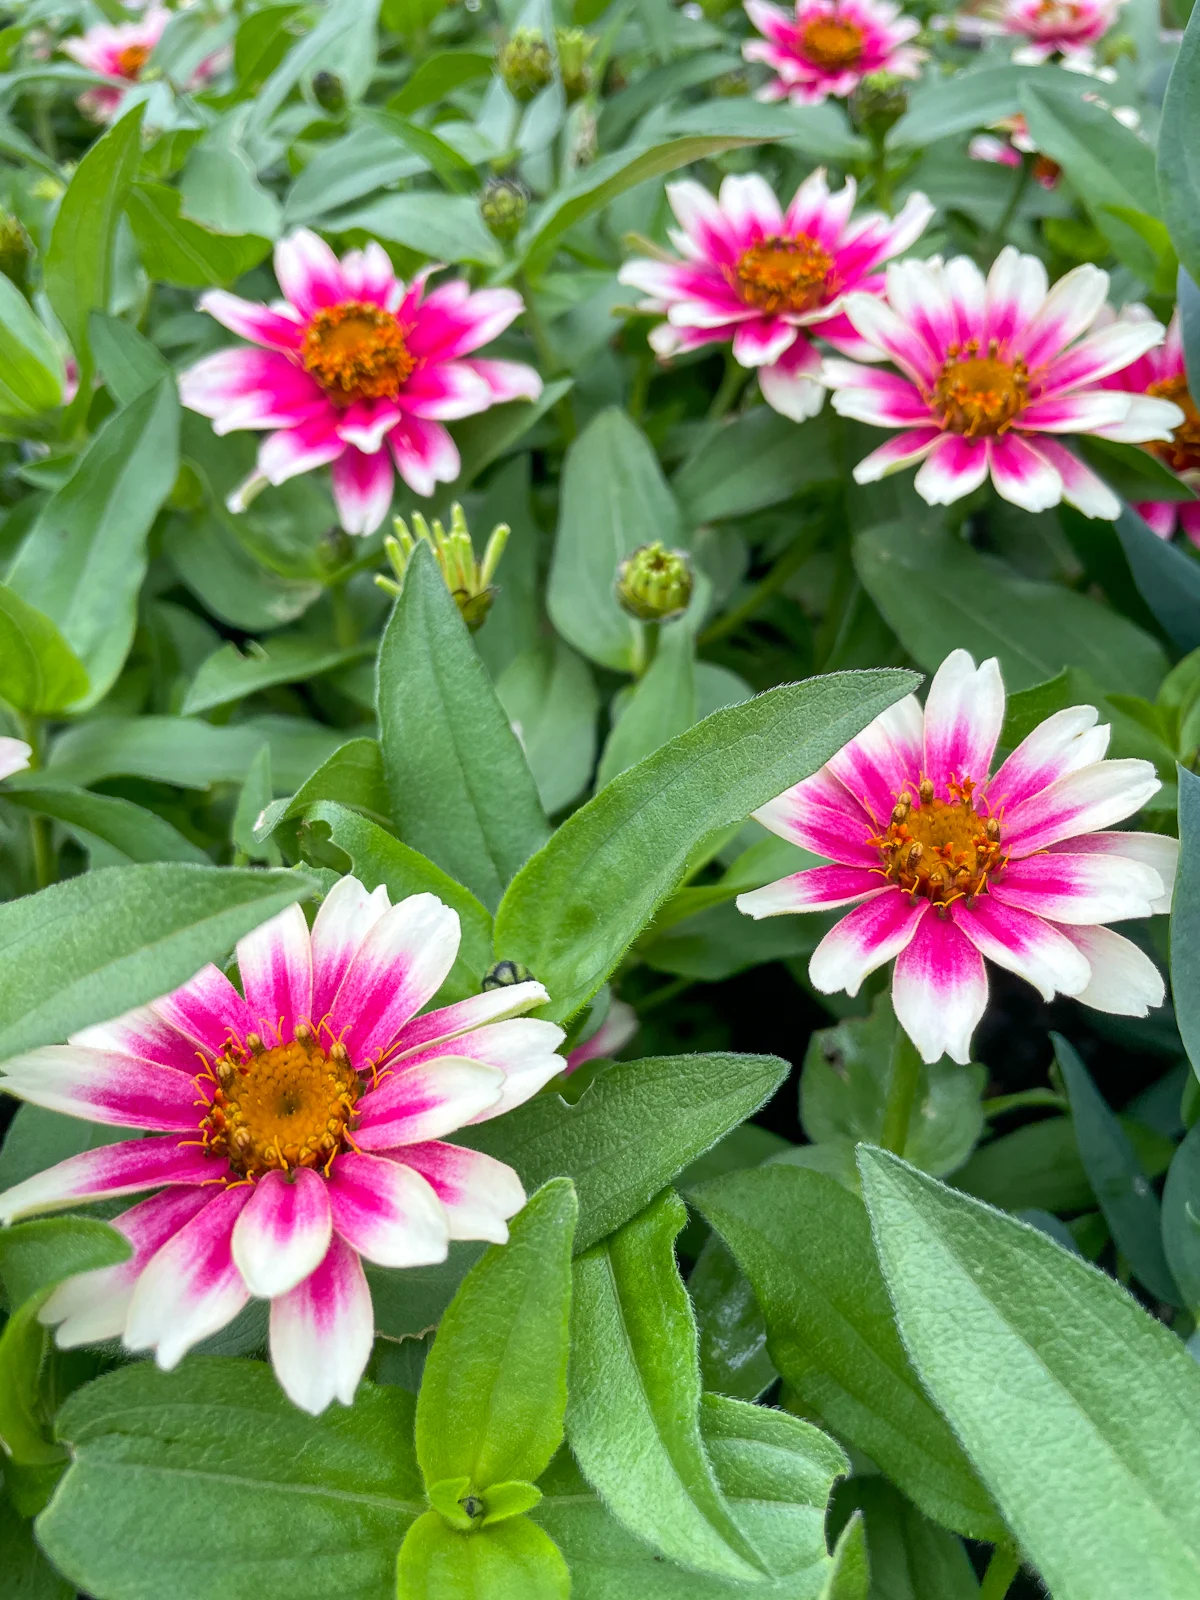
<point>833,43</point>
<point>783,274</point>
<point>940,850</point>
<point>356,352</point>
<point>978,394</point>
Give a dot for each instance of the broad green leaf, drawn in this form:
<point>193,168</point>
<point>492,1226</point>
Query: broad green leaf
<point>352,776</point>
<point>1188,300</point>
<point>1123,1191</point>
<point>911,1557</point>
<point>252,802</point>
<point>730,1327</point>
<point>750,462</point>
<point>1132,471</point>
<point>31,370</point>
<point>662,704</point>
<point>1185,920</point>
<point>114,831</point>
<point>461,790</point>
<point>804,1243</point>
<point>174,249</point>
<point>222,194</point>
<point>77,274</point>
<point>1181,1219</point>
<point>635,1126</point>
<point>944,106</point>
<point>851,1578</point>
<point>574,909</point>
<point>614,498</point>
<point>212,562</point>
<point>98,945</point>
<point>1079,1410</point>
<point>1035,1166</point>
<point>27,1573</point>
<point>1179,154</point>
<point>485,438</point>
<point>125,359</point>
<point>495,1385</point>
<point>549,695</point>
<point>1167,579</point>
<point>343,41</point>
<point>83,561</point>
<point>183,1482</point>
<point>228,675</point>
<point>939,595</point>
<point>513,1560</point>
<point>39,672</point>
<point>439,75</point>
<point>443,227</point>
<point>364,160</point>
<point>633,1413</point>
<point>189,752</point>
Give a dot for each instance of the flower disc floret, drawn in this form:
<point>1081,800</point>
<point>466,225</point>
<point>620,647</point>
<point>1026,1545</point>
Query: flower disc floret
<point>356,352</point>
<point>939,850</point>
<point>781,274</point>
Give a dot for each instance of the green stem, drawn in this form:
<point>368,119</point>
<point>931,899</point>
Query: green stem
<point>660,996</point>
<point>345,626</point>
<point>547,360</point>
<point>881,178</point>
<point>640,388</point>
<point>1002,1569</point>
<point>39,826</point>
<point>796,554</point>
<point>651,633</point>
<point>1027,1097</point>
<point>902,1093</point>
<point>732,382</point>
<point>1000,232</point>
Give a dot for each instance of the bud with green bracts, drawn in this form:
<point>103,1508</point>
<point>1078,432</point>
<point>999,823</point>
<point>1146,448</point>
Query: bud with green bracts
<point>525,63</point>
<point>574,48</point>
<point>878,103</point>
<point>654,584</point>
<point>504,974</point>
<point>16,248</point>
<point>503,204</point>
<point>329,92</point>
<point>468,580</point>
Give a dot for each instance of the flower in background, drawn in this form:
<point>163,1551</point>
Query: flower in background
<point>990,374</point>
<point>356,371</point>
<point>122,50</point>
<point>15,755</point>
<point>293,1132</point>
<point>766,279</point>
<point>613,1034</point>
<point>1161,373</point>
<point>827,47</point>
<point>1066,28</point>
<point>1008,150</point>
<point>945,865</point>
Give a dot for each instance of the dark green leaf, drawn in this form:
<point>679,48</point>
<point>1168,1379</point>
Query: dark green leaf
<point>911,1557</point>
<point>730,1327</point>
<point>753,461</point>
<point>126,359</point>
<point>439,75</point>
<point>39,672</point>
<point>1167,577</point>
<point>1185,919</point>
<point>1179,153</point>
<point>1037,1166</point>
<point>114,831</point>
<point>352,776</point>
<point>661,705</point>
<point>549,694</point>
<point>176,250</point>
<point>228,675</point>
<point>27,1573</point>
<point>1181,1219</point>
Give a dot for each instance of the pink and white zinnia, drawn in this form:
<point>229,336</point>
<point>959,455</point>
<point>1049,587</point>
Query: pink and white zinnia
<point>1065,28</point>
<point>766,279</point>
<point>991,373</point>
<point>14,757</point>
<point>945,865</point>
<point>827,47</point>
<point>293,1133</point>
<point>357,371</point>
<point>120,51</point>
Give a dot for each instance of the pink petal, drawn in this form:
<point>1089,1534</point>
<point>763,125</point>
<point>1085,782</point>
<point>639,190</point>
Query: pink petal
<point>447,390</point>
<point>817,889</point>
<point>1124,980</point>
<point>426,1102</point>
<point>703,223</point>
<point>387,1212</point>
<point>362,489</point>
<point>791,385</point>
<point>282,1235</point>
<point>882,327</point>
<point>1063,743</point>
<point>1081,487</point>
<point>425,454</point>
<point>119,1091</point>
<point>322,1332</point>
<point>613,1034</point>
<point>191,1287</point>
<point>880,398</point>
<point>1079,802</point>
<point>939,990</point>
<point>246,388</point>
<point>964,712</point>
<point>1083,412</point>
<point>478,1193</point>
<point>451,322</point>
<point>1081,889</point>
<point>275,963</point>
<point>1016,289</point>
<point>401,964</point>
<point>347,915</point>
<point>1022,475</point>
<point>366,423</point>
<point>900,451</point>
<point>1158,851</point>
<point>311,444</point>
<point>262,325</point>
<point>309,273</point>
<point>1105,351</point>
<point>864,939</point>
<point>750,209</point>
<point>524,1049</point>
<point>885,760</point>
<point>449,1021</point>
<point>369,277</point>
<point>820,814</point>
<point>1021,942</point>
<point>762,341</point>
<point>111,1170</point>
<point>955,467</point>
<point>507,380</point>
<point>208,1010</point>
<point>919,295</point>
<point>144,1034</point>
<point>1070,308</point>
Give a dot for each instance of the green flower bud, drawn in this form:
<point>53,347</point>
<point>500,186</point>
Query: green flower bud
<point>574,48</point>
<point>1117,47</point>
<point>730,85</point>
<point>503,203</point>
<point>878,103</point>
<point>525,63</point>
<point>654,584</point>
<point>15,248</point>
<point>468,580</point>
<point>504,974</point>
<point>329,92</point>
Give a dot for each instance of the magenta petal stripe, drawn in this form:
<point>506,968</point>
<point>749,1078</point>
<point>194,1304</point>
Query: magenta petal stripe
<point>284,1232</point>
<point>1063,743</point>
<point>817,889</point>
<point>114,1169</point>
<point>1023,943</point>
<point>433,1027</point>
<point>1155,850</point>
<point>964,713</point>
<point>478,1193</point>
<point>868,936</point>
<point>387,1212</point>
<point>940,990</point>
<point>420,1103</point>
<point>112,1089</point>
<point>347,915</point>
<point>275,963</point>
<point>1082,888</point>
<point>1080,802</point>
<point>144,1034</point>
<point>399,967</point>
<point>322,1332</point>
<point>207,1010</point>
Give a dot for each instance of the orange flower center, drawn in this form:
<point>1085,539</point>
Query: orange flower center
<point>1182,452</point>
<point>940,850</point>
<point>783,274</point>
<point>356,352</point>
<point>273,1110</point>
<point>832,44</point>
<point>978,394</point>
<point>132,59</point>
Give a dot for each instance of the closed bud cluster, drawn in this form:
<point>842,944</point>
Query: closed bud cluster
<point>525,63</point>
<point>654,584</point>
<point>503,204</point>
<point>574,50</point>
<point>15,248</point>
<point>468,580</point>
<point>329,92</point>
<point>878,103</point>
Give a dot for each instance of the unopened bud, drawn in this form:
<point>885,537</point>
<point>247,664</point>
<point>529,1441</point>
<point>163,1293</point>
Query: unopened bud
<point>503,204</point>
<point>15,248</point>
<point>525,63</point>
<point>878,103</point>
<point>1117,47</point>
<point>468,580</point>
<point>654,584</point>
<point>574,49</point>
<point>925,790</point>
<point>329,92</point>
<point>731,85</point>
<point>504,974</point>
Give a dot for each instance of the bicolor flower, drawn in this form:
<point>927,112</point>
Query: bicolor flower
<point>1161,373</point>
<point>1006,145</point>
<point>14,757</point>
<point>1065,28</point>
<point>765,279</point>
<point>945,864</point>
<point>827,47</point>
<point>293,1133</point>
<point>121,51</point>
<point>613,1034</point>
<point>991,374</point>
<point>358,371</point>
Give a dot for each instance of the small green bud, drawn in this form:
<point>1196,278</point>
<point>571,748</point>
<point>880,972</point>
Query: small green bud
<point>468,580</point>
<point>730,85</point>
<point>574,48</point>
<point>329,92</point>
<point>654,584</point>
<point>525,63</point>
<point>15,248</point>
<point>504,974</point>
<point>878,103</point>
<point>1118,47</point>
<point>503,204</point>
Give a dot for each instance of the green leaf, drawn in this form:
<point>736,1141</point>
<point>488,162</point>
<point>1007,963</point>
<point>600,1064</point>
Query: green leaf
<point>938,595</point>
<point>661,705</point>
<point>442,227</point>
<point>352,776</point>
<point>188,752</point>
<point>461,790</point>
<point>439,75</point>
<point>513,1560</point>
<point>852,1575</point>
<point>495,1384</point>
<point>343,41</point>
<point>77,273</point>
<point>944,106</point>
<point>804,1243</point>
<point>633,1415</point>
<point>1178,153</point>
<point>614,498</point>
<point>1036,1166</point>
<point>85,557</point>
<point>1168,579</point>
<point>485,438</point>
<point>364,160</point>
<point>115,831</point>
<point>176,250</point>
<point>39,672</point>
<point>98,945</point>
<point>1126,1198</point>
<point>1181,1219</point>
<point>730,1327</point>
<point>31,370</point>
<point>205,550</point>
<point>228,675</point>
<point>27,1573</point>
<point>165,1466</point>
<point>911,1557</point>
<point>127,361</point>
<point>1076,1406</point>
<point>574,909</point>
<point>1185,920</point>
<point>752,461</point>
<point>549,694</point>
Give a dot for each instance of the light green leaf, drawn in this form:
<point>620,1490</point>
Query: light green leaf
<point>1181,1219</point>
<point>228,675</point>
<point>352,776</point>
<point>443,227</point>
<point>176,250</point>
<point>117,831</point>
<point>1166,578</point>
<point>911,1557</point>
<point>39,672</point>
<point>485,438</point>
<point>513,1560</point>
<point>662,704</point>
<point>439,75</point>
<point>189,752</point>
<point>574,909</point>
<point>944,106</point>
<point>125,358</point>
<point>549,694</point>
<point>31,369</point>
<point>362,161</point>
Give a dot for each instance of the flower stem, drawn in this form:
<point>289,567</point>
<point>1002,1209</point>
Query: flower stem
<point>547,361</point>
<point>39,826</point>
<point>796,554</point>
<point>881,178</point>
<point>1000,232</point>
<point>651,632</point>
<point>1002,1569</point>
<point>902,1093</point>
<point>1027,1097</point>
<point>732,383</point>
<point>345,628</point>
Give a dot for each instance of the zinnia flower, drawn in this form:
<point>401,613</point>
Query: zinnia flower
<point>1161,372</point>
<point>14,757</point>
<point>827,47</point>
<point>1066,28</point>
<point>292,1132</point>
<point>357,370</point>
<point>1008,150</point>
<point>613,1034</point>
<point>945,865</point>
<point>121,50</point>
<point>991,373</point>
<point>765,279</point>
